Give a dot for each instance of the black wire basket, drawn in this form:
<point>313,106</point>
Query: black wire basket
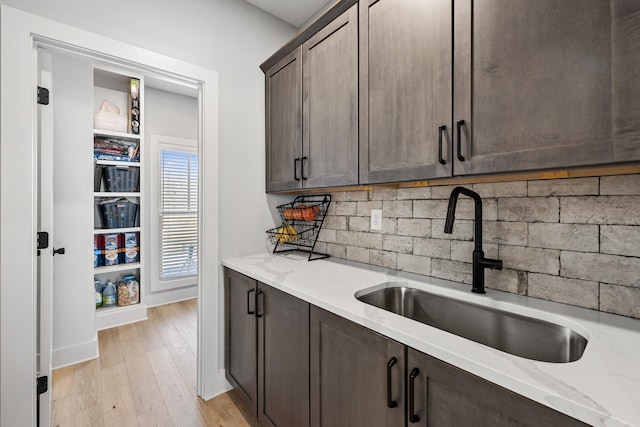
<point>301,223</point>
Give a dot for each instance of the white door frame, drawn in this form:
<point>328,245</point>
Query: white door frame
<point>18,226</point>
<point>45,224</point>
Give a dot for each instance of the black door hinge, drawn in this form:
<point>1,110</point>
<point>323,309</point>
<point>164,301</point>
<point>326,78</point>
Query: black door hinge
<point>42,385</point>
<point>43,96</point>
<point>43,240</point>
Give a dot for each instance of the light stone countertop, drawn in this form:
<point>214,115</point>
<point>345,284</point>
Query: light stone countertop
<point>601,389</point>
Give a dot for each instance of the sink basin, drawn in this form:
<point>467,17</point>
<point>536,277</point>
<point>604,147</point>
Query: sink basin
<point>509,332</point>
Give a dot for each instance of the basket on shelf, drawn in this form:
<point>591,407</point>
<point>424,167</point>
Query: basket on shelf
<point>117,213</point>
<point>301,223</point>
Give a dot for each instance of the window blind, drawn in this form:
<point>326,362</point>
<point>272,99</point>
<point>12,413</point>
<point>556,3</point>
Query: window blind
<point>178,214</point>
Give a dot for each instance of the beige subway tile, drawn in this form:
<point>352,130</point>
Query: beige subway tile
<point>418,227</point>
<point>336,250</point>
<point>506,280</point>
<point>338,196</point>
<point>355,253</point>
<point>620,300</point>
<point>501,189</point>
<point>335,222</point>
<point>364,208</point>
<point>620,185</point>
<point>356,196</point>
<point>462,230</point>
<point>620,240</point>
<point>443,191</point>
<point>506,233</point>
<point>465,209</point>
<point>463,250</point>
<point>347,238</point>
<point>370,240</point>
<point>397,244</point>
<point>618,210</point>
<point>612,269</point>
<point>529,209</point>
<point>414,264</point>
<point>359,223</point>
<point>530,259</point>
<point>451,270</point>
<point>433,248</point>
<point>389,225</point>
<point>385,259</point>
<point>416,193</point>
<point>383,194</point>
<point>346,208</point>
<point>582,293</point>
<point>327,235</point>
<point>430,208</point>
<point>563,187</point>
<point>575,237</point>
<point>397,208</point>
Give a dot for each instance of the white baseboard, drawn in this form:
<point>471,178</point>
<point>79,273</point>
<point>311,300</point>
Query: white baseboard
<point>162,298</point>
<point>220,386</point>
<point>66,356</point>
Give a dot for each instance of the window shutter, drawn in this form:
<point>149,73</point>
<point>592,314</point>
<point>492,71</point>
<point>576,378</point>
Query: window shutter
<point>178,214</point>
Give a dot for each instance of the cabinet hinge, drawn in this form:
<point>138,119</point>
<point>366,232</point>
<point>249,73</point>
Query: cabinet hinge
<point>43,96</point>
<point>42,384</point>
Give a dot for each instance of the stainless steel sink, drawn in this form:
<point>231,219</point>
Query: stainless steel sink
<point>512,333</point>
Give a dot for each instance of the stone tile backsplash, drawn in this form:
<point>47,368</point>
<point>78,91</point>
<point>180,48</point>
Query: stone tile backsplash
<point>574,241</point>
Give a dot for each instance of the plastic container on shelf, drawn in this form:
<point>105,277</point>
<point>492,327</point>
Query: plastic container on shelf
<point>128,291</point>
<point>98,292</point>
<point>121,178</point>
<point>105,120</point>
<point>109,295</point>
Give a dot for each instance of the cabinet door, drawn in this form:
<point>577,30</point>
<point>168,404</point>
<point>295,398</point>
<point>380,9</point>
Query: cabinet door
<point>283,359</point>
<point>350,374</point>
<point>405,90</point>
<point>240,336</point>
<point>532,84</point>
<point>626,80</point>
<point>442,395</point>
<point>330,103</point>
<point>283,96</point>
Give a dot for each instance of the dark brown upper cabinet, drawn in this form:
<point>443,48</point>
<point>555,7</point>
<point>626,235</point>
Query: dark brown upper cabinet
<point>449,88</point>
<point>626,80</point>
<point>283,89</point>
<point>532,84</point>
<point>330,104</point>
<point>312,110</point>
<point>405,90</point>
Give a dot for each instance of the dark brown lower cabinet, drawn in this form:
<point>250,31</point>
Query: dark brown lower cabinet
<point>294,364</point>
<point>356,375</point>
<point>267,350</point>
<point>358,378</point>
<point>439,394</point>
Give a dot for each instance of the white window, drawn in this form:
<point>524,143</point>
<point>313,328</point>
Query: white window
<point>175,226</point>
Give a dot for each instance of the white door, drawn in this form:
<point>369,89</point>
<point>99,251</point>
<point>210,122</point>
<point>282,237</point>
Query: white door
<point>45,225</point>
<point>74,336</point>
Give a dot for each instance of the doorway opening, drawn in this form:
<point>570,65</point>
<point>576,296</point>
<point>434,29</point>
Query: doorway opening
<point>97,184</point>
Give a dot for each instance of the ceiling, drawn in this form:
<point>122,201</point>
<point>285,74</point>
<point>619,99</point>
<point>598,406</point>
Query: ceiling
<point>295,12</point>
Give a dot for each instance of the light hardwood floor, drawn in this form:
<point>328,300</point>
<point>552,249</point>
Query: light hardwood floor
<point>145,376</point>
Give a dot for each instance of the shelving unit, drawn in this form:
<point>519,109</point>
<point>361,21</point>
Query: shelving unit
<point>113,86</point>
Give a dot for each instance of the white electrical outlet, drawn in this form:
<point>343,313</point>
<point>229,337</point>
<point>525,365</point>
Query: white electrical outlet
<point>376,219</point>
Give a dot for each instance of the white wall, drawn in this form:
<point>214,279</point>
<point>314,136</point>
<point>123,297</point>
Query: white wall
<point>173,115</point>
<point>232,37</point>
<point>228,36</point>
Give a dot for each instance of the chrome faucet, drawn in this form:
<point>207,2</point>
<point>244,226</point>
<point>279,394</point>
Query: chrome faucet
<point>479,261</point>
